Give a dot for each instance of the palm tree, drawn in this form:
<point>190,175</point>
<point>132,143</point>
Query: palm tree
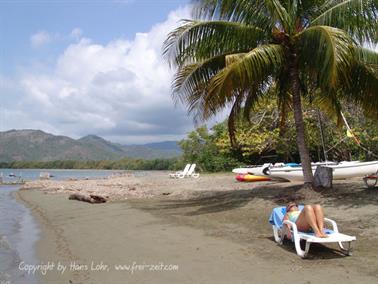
<point>236,52</point>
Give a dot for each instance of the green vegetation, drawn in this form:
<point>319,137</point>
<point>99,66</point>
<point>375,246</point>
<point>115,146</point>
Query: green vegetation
<point>238,52</point>
<point>124,164</point>
<point>201,147</point>
<point>260,140</point>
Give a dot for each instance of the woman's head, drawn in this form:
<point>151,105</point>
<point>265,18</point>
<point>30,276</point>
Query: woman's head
<point>290,206</point>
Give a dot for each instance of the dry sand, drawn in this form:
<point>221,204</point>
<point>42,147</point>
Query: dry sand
<point>214,229</point>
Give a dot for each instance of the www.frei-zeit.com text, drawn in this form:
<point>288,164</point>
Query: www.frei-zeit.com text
<point>133,267</point>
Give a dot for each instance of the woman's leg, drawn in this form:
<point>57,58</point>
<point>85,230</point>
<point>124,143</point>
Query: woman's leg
<point>319,215</point>
<point>307,220</point>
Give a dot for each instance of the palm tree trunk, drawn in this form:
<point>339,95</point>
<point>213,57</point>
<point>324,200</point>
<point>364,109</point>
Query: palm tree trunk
<point>299,124</point>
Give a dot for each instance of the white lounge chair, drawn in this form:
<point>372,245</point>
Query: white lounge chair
<point>279,231</point>
<point>191,172</point>
<point>181,173</point>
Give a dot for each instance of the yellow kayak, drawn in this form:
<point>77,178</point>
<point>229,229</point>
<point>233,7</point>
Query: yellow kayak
<point>251,178</point>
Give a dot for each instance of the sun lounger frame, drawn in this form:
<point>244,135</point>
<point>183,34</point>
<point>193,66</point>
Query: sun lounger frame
<point>187,172</point>
<point>371,181</point>
<point>334,237</point>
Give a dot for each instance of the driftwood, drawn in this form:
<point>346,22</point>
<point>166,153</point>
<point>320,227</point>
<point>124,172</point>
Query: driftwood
<point>91,198</point>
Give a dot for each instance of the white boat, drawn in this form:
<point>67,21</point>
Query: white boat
<point>342,170</point>
<point>44,175</point>
<point>260,170</point>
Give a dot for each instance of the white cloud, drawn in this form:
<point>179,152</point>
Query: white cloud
<point>76,33</point>
<point>40,38</point>
<point>120,89</point>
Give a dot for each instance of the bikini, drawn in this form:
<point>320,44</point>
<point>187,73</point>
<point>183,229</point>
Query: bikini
<point>293,215</point>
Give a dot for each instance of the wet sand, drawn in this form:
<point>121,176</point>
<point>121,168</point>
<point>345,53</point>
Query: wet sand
<point>214,230</point>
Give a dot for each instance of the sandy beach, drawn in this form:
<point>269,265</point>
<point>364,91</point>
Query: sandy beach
<point>208,230</point>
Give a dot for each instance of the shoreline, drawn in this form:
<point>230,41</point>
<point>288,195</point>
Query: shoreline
<point>201,231</point>
<point>19,232</point>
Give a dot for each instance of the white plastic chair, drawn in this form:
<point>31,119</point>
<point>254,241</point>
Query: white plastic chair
<point>191,172</point>
<point>181,173</point>
<point>279,231</point>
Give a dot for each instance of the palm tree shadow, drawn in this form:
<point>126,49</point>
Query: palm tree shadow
<point>211,202</point>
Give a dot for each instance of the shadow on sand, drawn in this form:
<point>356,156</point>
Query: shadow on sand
<point>351,195</point>
<point>242,215</point>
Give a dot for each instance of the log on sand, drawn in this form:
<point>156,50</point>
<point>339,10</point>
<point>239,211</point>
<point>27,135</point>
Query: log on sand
<point>91,198</point>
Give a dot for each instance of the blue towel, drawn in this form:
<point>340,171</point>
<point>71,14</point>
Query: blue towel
<point>277,215</point>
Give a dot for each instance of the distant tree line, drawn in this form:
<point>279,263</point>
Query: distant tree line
<point>123,164</point>
<point>260,140</point>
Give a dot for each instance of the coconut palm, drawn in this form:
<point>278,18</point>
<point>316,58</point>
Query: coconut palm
<point>235,52</point>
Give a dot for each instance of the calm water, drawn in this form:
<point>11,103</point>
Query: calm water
<point>18,229</point>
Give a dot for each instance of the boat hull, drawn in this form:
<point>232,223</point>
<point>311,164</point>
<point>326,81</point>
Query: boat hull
<point>251,178</point>
<point>340,171</point>
<point>257,170</point>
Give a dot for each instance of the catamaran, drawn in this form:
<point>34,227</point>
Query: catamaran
<point>342,170</point>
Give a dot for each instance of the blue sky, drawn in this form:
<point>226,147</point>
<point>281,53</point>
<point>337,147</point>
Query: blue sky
<point>90,67</point>
<point>100,20</point>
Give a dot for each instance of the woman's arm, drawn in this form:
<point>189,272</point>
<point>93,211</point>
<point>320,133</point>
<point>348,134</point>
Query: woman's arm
<point>288,232</point>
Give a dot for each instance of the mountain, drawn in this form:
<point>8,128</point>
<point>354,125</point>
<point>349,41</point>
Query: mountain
<point>97,141</point>
<point>168,149</point>
<point>166,145</point>
<point>36,145</point>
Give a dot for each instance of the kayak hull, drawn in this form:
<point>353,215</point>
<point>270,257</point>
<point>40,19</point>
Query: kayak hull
<point>251,178</point>
<point>256,170</point>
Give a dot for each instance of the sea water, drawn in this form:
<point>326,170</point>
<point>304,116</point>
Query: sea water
<point>18,234</point>
<point>18,230</point>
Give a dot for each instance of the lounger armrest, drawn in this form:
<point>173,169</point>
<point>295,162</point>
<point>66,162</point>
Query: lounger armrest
<point>293,227</point>
<point>296,238</point>
<point>333,224</point>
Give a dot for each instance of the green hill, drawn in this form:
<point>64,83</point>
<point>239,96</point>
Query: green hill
<point>36,145</point>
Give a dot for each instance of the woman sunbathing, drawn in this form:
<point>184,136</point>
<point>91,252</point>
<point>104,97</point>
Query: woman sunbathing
<point>311,217</point>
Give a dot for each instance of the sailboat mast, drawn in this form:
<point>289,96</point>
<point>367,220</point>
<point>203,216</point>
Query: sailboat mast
<point>322,135</point>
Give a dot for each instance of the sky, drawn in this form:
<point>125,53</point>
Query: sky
<point>85,67</point>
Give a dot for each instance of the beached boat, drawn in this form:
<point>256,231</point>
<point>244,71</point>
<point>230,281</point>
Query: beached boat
<point>342,170</point>
<point>251,178</point>
<point>44,175</point>
<point>260,170</point>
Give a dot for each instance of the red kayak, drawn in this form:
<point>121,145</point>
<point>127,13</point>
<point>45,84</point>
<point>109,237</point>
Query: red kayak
<point>251,178</point>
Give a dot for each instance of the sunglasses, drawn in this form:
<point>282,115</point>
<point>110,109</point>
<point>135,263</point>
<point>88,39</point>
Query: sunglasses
<point>290,206</point>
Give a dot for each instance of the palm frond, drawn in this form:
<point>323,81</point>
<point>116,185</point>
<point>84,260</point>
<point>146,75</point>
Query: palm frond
<point>328,53</point>
<point>284,99</point>
<point>329,102</point>
<point>197,40</point>
<point>251,101</point>
<point>363,91</point>
<point>280,14</point>
<point>235,110</point>
<point>231,58</point>
<point>254,69</point>
<point>191,78</point>
<point>367,56</point>
<point>251,12</point>
<point>250,69</point>
<point>357,17</point>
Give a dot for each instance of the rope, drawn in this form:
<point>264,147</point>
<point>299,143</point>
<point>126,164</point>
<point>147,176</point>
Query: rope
<point>358,142</point>
<point>334,146</point>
